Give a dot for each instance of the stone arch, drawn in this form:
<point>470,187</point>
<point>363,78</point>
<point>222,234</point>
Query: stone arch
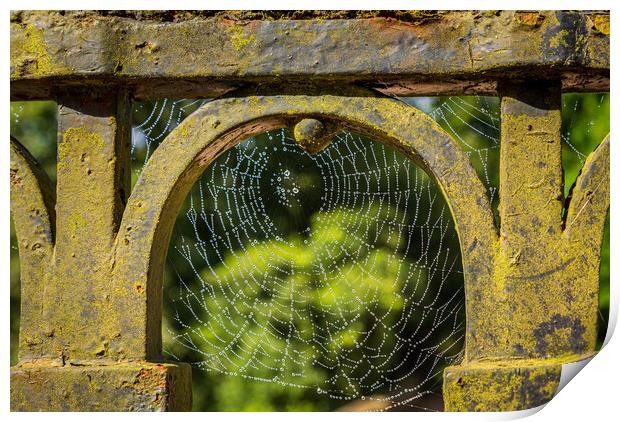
<point>147,224</point>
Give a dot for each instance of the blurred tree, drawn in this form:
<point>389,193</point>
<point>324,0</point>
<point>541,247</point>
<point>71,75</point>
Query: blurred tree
<point>246,326</point>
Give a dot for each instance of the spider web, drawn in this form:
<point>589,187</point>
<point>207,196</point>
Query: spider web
<point>337,273</point>
<point>335,289</point>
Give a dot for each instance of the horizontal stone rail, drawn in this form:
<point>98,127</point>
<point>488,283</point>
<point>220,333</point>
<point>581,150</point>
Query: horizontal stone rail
<point>206,54</point>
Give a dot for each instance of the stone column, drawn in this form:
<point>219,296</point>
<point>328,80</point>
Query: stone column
<point>540,311</point>
<point>84,346</point>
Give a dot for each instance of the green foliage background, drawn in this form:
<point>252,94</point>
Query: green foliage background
<point>585,123</point>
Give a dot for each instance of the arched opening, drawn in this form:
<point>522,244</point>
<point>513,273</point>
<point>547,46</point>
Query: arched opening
<point>314,281</point>
<point>192,149</point>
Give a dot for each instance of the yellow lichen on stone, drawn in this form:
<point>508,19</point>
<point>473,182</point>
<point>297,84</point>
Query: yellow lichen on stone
<point>73,137</point>
<point>559,39</point>
<point>531,19</point>
<point>76,221</point>
<point>496,387</point>
<point>34,47</point>
<point>601,24</point>
<point>238,38</point>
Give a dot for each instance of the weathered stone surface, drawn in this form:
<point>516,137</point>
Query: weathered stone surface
<point>202,54</point>
<point>313,135</point>
<point>120,387</point>
<point>540,309</point>
<point>500,387</point>
<point>543,300</point>
<point>81,331</point>
<point>32,206</point>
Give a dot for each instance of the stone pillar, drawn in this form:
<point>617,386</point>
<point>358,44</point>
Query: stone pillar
<point>540,311</point>
<point>82,346</point>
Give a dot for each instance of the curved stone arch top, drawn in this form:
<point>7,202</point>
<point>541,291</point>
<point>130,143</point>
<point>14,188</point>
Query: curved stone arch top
<point>167,178</point>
